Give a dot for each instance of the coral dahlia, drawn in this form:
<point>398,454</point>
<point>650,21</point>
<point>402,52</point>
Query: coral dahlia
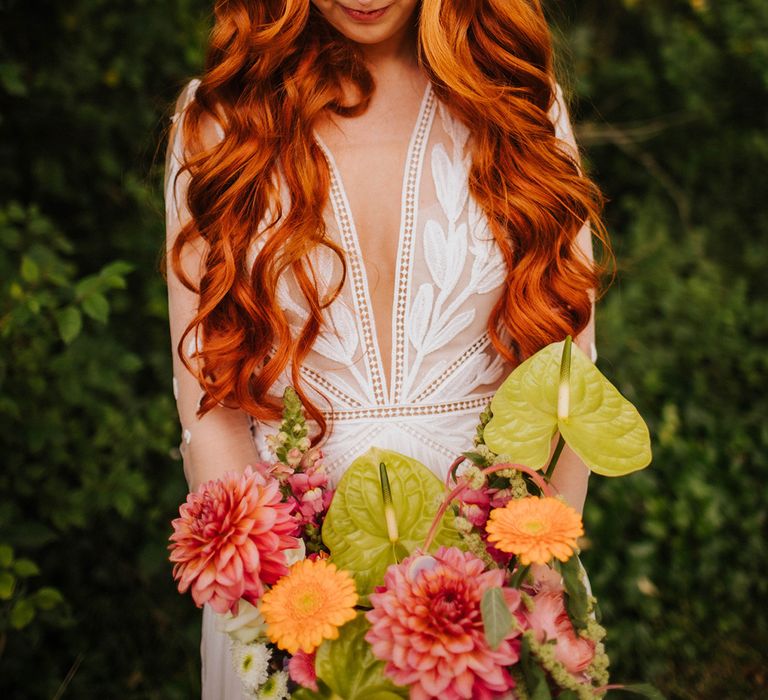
<point>427,625</point>
<point>230,539</point>
<point>536,529</point>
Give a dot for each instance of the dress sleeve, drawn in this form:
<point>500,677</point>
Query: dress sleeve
<point>564,132</point>
<point>221,440</point>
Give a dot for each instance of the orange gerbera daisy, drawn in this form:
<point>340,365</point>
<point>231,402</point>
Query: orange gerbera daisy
<point>535,529</point>
<point>309,605</point>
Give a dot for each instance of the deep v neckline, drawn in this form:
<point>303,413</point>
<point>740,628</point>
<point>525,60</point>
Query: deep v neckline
<point>386,389</point>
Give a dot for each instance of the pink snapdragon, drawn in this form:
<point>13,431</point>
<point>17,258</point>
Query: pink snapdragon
<point>475,505</point>
<point>549,619</point>
<point>301,669</point>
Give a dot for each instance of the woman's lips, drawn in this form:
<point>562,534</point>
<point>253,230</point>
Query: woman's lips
<point>365,15</point>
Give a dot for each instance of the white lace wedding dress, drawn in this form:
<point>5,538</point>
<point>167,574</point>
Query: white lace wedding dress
<point>423,397</point>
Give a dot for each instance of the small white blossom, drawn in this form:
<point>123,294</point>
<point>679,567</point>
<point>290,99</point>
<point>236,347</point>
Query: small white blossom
<point>247,626</point>
<point>276,688</point>
<point>251,662</point>
<point>312,495</point>
<point>462,524</point>
<point>294,555</point>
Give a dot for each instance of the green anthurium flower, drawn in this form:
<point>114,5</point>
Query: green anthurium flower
<point>595,420</point>
<point>357,531</point>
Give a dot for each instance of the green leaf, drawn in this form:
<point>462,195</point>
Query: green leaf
<point>70,322</point>
<point>535,677</point>
<point>26,568</point>
<point>117,268</point>
<point>47,598</point>
<point>497,620</point>
<point>355,528</point>
<point>124,503</point>
<point>567,695</point>
<point>476,458</point>
<point>30,272</point>
<point>97,307</point>
<point>88,285</point>
<point>349,668</point>
<point>7,584</point>
<point>22,613</point>
<point>644,689</point>
<point>6,555</point>
<point>11,79</point>
<point>307,694</point>
<point>576,598</point>
<point>15,212</point>
<point>602,427</point>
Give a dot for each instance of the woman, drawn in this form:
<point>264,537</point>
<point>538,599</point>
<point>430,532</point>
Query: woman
<point>380,204</point>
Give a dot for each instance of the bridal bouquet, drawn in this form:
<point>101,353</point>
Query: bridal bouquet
<point>396,585</point>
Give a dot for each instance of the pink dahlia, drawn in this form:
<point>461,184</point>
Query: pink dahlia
<point>426,624</point>
<point>549,620</point>
<point>231,539</point>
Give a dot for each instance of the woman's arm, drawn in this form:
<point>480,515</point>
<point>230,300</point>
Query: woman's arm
<point>221,440</point>
<point>571,475</point>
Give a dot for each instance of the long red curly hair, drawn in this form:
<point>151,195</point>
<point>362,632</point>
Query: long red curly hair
<point>272,68</point>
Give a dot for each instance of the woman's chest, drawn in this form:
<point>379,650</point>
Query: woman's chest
<point>422,272</point>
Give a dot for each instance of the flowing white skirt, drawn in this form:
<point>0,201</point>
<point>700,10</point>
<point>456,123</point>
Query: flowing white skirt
<point>219,678</point>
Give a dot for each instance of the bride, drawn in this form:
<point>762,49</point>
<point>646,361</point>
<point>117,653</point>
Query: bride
<point>378,202</point>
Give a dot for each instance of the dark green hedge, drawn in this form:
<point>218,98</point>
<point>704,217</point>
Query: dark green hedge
<point>672,104</point>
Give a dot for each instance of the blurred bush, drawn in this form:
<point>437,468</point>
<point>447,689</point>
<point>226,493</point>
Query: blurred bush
<point>671,104</point>
<point>87,425</point>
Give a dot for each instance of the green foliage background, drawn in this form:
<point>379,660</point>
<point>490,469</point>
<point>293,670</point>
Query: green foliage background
<point>671,104</point>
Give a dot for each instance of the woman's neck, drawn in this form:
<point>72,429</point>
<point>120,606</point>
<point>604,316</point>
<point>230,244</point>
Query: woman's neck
<point>394,57</point>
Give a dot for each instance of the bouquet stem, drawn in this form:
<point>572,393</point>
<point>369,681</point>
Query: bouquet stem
<point>519,576</point>
<point>555,456</point>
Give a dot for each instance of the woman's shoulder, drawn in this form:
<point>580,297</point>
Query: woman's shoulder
<point>185,98</point>
<point>179,150</point>
<point>211,131</point>
<point>559,116</point>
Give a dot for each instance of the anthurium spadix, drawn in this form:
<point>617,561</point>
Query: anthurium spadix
<point>542,396</point>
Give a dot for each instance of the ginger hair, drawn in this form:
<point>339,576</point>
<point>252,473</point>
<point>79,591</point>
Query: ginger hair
<point>272,69</point>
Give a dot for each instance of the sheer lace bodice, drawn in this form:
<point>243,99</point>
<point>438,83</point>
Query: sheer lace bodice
<point>448,274</point>
<point>423,392</point>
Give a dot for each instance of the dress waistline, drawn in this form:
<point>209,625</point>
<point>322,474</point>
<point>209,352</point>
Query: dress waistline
<point>478,403</point>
